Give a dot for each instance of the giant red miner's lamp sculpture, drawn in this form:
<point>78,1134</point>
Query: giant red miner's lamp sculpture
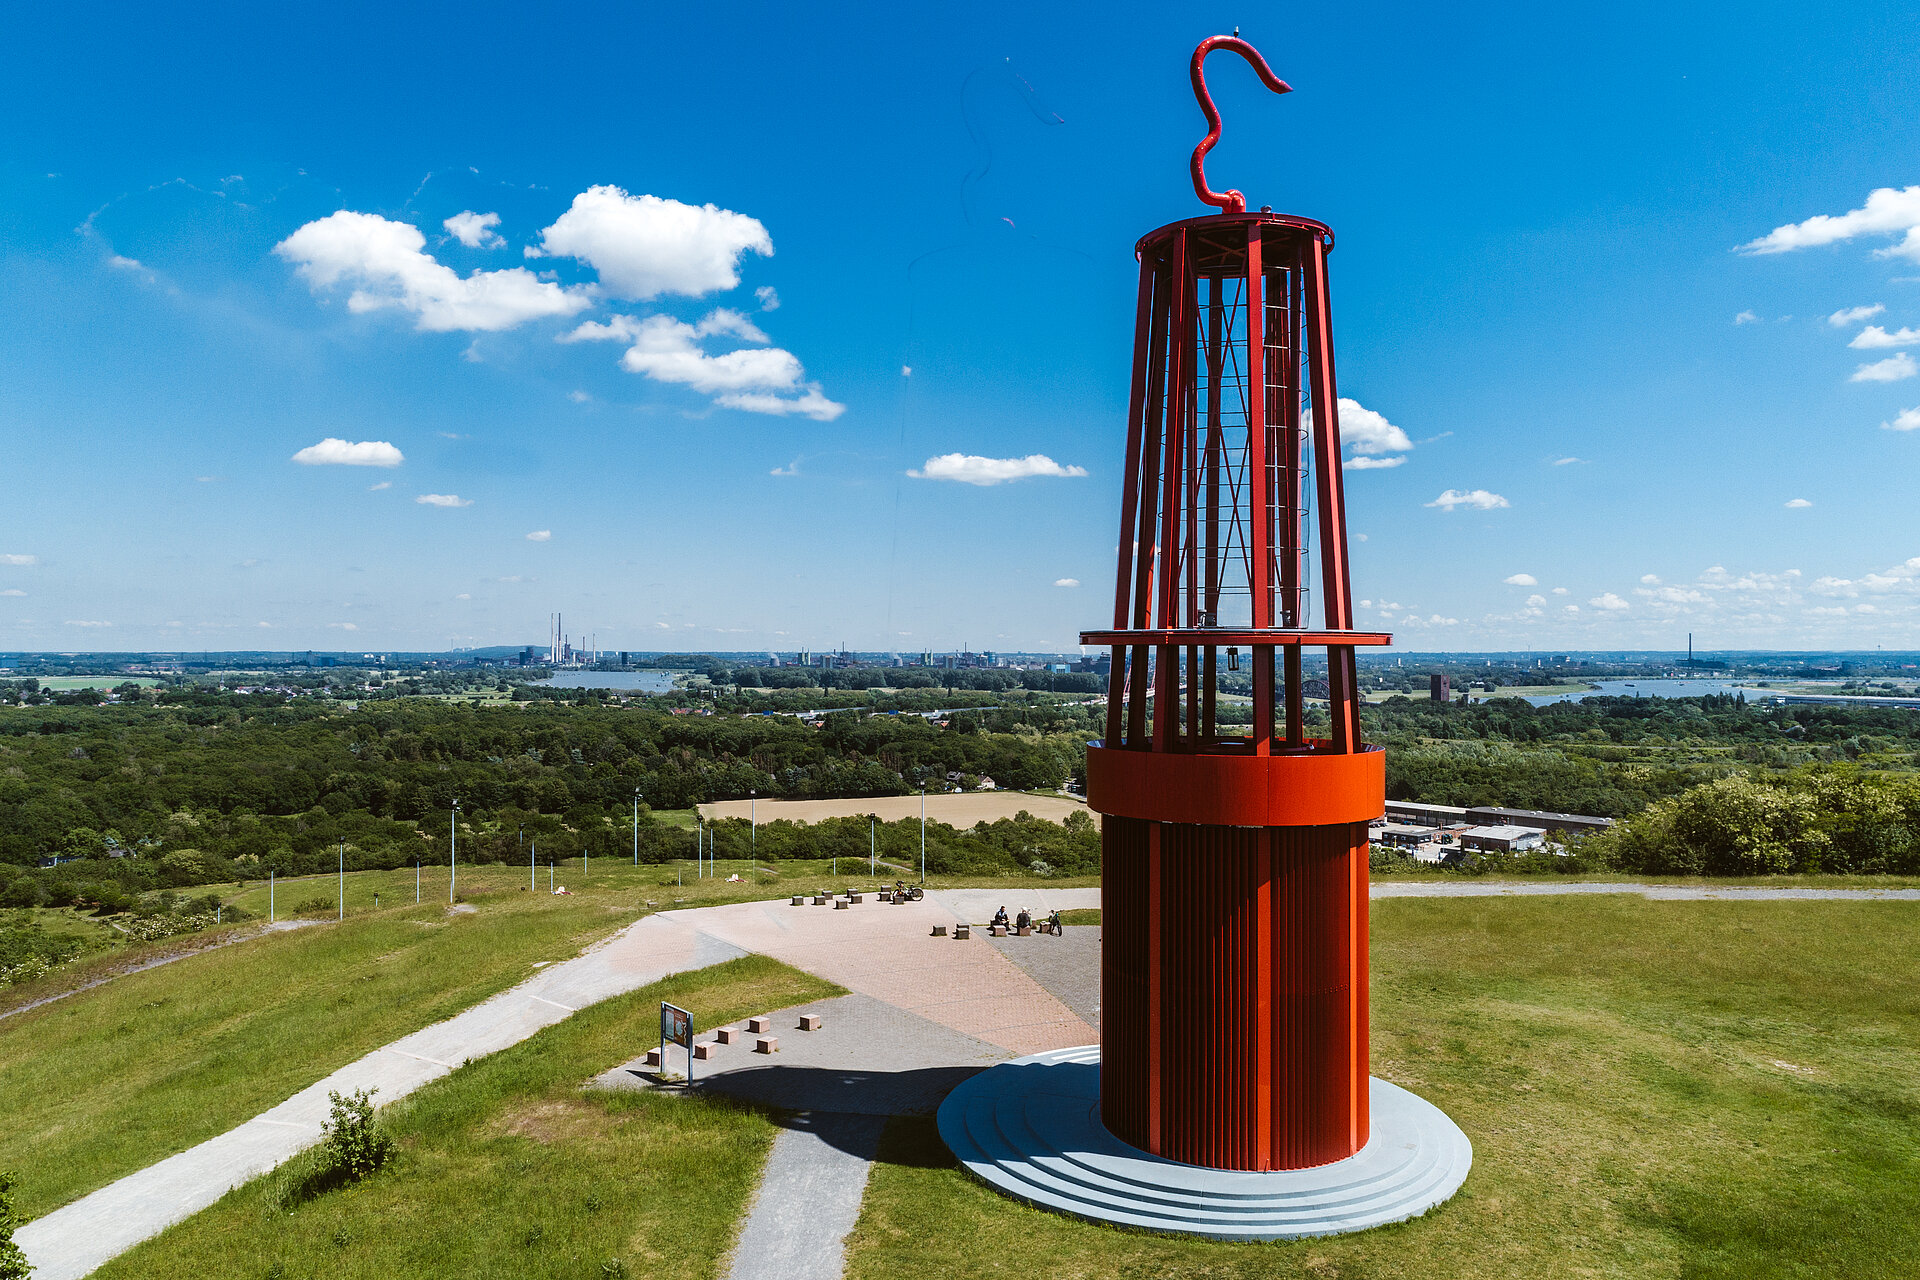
<point>1229,1095</point>
<point>1234,978</point>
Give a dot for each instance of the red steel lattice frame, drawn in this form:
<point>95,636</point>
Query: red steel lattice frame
<point>1234,963</point>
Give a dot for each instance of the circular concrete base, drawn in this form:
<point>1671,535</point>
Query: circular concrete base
<point>1031,1128</point>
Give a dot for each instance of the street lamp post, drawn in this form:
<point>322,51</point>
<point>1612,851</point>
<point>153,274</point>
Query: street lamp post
<point>453,839</point>
<point>343,879</point>
<point>923,833</point>
<point>753,828</point>
<point>873,843</point>
<point>636,826</point>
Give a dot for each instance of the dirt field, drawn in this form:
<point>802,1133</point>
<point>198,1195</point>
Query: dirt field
<point>959,810</point>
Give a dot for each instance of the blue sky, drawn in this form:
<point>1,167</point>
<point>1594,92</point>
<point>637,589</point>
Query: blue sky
<point>228,240</point>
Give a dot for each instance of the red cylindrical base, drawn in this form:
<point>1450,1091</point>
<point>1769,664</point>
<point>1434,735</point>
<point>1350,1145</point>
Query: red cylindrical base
<point>1233,1004</point>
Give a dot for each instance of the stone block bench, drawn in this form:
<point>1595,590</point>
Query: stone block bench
<point>810,1022</point>
<point>767,1044</point>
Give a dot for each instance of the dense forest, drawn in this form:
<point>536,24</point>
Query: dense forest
<point>177,787</point>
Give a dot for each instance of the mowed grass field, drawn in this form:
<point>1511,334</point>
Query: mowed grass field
<point>1660,1089</point>
<point>108,1081</point>
<point>98,1084</point>
<point>508,1168</point>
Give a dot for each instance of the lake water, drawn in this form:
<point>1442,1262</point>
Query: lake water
<point>626,681</point>
<point>1649,689</point>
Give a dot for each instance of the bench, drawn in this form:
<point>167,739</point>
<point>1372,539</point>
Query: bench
<point>819,899</point>
<point>841,905</point>
<point>767,1044</point>
<point>939,931</point>
<point>759,1026</point>
<point>799,900</point>
<point>727,1035</point>
<point>854,897</point>
<point>996,931</point>
<point>704,1051</point>
<point>962,932</point>
<point>810,1022</point>
<point>652,1059</point>
<point>1025,931</point>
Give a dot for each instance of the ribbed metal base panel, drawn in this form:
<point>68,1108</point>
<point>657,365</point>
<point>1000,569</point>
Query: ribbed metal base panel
<point>1233,1004</point>
<point>1031,1128</point>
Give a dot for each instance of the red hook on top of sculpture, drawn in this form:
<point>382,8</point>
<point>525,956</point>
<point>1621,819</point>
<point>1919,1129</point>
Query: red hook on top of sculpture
<point>1230,201</point>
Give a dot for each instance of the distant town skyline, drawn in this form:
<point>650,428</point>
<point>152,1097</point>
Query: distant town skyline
<point>790,330</point>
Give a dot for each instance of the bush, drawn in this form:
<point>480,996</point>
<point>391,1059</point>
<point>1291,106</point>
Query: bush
<point>13,1263</point>
<point>354,1145</point>
<point>314,906</point>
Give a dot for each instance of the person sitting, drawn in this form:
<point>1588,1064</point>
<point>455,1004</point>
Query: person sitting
<point>1024,920</point>
<point>1000,918</point>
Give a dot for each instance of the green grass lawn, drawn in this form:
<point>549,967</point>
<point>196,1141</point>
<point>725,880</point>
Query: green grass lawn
<point>1652,1089</point>
<point>508,1168</point>
<point>108,1081</point>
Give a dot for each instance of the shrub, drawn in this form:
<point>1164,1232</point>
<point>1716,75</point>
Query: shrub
<point>355,1144</point>
<point>13,1263</point>
<point>313,906</point>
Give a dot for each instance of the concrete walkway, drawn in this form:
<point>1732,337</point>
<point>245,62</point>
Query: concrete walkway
<point>809,1199</point>
<point>1659,892</point>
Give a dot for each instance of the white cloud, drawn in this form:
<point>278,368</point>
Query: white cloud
<point>1909,420</point>
<point>335,452</point>
<point>1607,600</point>
<point>1478,499</point>
<point>1854,315</point>
<point>1066,582</point>
<point>12,591</point>
<point>1559,591</point>
<point>791,469</point>
<point>540,535</point>
<point>443,500</point>
<point>1746,317</point>
<point>384,262</point>
<point>1572,608</point>
<point>768,296</point>
<point>343,626</point>
<point>1567,462</point>
<point>1372,464</point>
<point>1873,337</point>
<point>475,230</point>
<point>1535,601</point>
<point>86,622</point>
<point>1892,369</point>
<point>1672,595</point>
<point>579,397</point>
<point>970,468</point>
<point>814,404</point>
<point>1521,580</point>
<point>644,246</point>
<point>1886,212</point>
<point>757,379</point>
<point>1795,504</point>
<point>15,558</point>
<point>1364,431</point>
<point>384,484</point>
<point>1650,579</point>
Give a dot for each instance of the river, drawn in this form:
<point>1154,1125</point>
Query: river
<point>626,681</point>
<point>1650,689</point>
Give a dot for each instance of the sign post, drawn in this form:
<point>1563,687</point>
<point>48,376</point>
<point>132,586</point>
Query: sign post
<point>676,1027</point>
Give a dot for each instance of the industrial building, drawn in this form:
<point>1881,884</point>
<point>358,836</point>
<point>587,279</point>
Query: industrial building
<point>1501,839</point>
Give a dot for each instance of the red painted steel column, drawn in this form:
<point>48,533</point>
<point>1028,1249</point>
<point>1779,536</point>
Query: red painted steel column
<point>1234,942</point>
